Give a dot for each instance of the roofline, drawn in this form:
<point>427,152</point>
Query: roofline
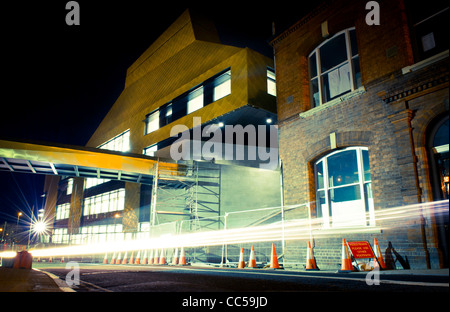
<point>313,13</point>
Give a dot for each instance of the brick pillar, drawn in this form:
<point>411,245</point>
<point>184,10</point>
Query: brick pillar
<point>130,219</point>
<point>76,206</point>
<point>406,157</point>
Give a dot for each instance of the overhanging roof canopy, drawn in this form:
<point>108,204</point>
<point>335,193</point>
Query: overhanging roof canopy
<point>82,162</point>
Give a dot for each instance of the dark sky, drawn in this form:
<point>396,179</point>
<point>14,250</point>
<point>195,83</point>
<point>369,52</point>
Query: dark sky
<point>59,81</point>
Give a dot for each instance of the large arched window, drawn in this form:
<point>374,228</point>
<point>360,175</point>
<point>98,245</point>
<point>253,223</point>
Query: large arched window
<point>344,188</point>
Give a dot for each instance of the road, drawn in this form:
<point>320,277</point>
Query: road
<point>134,278</point>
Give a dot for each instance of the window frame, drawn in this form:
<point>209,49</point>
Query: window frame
<point>365,188</point>
<point>209,91</point>
<point>271,82</point>
<point>319,76</point>
<point>118,142</point>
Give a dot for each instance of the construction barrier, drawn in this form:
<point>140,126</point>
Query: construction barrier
<point>252,260</point>
<point>310,260</point>
<point>378,261</point>
<point>182,260</point>
<point>138,258</point>
<point>274,259</point>
<point>241,259</point>
<point>175,257</point>
<point>162,258</point>
<point>23,260</point>
<point>346,265</point>
<point>131,258</point>
<point>145,260</point>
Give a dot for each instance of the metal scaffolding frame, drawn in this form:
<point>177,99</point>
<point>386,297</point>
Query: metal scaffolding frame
<point>192,190</point>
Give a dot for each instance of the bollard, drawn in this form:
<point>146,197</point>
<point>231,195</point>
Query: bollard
<point>23,260</point>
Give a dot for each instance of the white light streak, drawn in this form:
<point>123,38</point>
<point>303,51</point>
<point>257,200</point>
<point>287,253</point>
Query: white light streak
<point>299,229</point>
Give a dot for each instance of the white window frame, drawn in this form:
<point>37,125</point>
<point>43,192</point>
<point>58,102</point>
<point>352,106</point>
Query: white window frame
<point>152,122</point>
<point>271,82</point>
<point>195,100</point>
<point>222,89</point>
<point>369,212</point>
<point>320,75</point>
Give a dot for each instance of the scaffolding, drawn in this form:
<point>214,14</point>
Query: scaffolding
<point>190,191</point>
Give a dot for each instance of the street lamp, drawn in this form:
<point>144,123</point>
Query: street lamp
<point>18,216</point>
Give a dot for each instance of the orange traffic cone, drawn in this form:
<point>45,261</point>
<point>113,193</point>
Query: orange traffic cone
<point>131,258</point>
<point>118,261</point>
<point>274,259</point>
<point>379,261</point>
<point>175,257</point>
<point>150,259</point>
<point>62,260</point>
<point>241,259</point>
<point>105,259</point>
<point>162,258</point>
<point>113,259</point>
<point>50,259</point>
<point>138,258</point>
<point>145,260</point>
<point>124,261</point>
<point>310,260</point>
<point>156,257</point>
<point>346,265</point>
<point>182,260</point>
<point>252,260</point>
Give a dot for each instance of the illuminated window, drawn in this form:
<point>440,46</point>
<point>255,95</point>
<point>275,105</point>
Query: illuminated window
<point>69,186</point>
<point>334,68</point>
<point>344,188</point>
<point>62,211</point>
<point>106,202</point>
<point>91,182</point>
<point>222,86</point>
<point>150,151</point>
<point>120,143</point>
<point>152,122</point>
<point>271,82</point>
<point>195,100</point>
<point>207,92</point>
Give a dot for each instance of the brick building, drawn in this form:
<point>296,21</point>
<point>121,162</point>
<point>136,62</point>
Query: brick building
<point>363,128</point>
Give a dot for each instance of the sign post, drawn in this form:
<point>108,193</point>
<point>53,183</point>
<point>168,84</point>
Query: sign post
<point>361,250</point>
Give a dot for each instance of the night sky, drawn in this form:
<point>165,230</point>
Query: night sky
<point>59,81</point>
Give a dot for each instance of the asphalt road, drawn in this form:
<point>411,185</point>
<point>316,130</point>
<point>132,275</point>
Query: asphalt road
<point>132,278</point>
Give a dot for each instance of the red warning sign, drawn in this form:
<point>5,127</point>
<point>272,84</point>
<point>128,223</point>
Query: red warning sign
<point>361,250</point>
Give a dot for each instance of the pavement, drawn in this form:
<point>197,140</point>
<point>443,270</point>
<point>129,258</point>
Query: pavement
<point>35,280</point>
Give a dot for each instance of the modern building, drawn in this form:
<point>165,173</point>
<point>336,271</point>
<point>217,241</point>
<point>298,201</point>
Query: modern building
<point>363,115</point>
<point>182,98</point>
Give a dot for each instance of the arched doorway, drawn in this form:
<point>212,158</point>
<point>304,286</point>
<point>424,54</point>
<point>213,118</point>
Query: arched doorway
<point>438,149</point>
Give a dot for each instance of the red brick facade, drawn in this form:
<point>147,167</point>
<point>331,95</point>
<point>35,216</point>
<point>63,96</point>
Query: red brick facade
<point>399,102</point>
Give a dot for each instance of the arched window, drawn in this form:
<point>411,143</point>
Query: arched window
<point>344,188</point>
<point>334,68</point>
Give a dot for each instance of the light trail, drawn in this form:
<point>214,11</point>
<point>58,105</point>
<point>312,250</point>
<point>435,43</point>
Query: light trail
<point>299,229</point>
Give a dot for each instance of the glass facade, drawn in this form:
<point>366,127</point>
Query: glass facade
<point>105,202</point>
